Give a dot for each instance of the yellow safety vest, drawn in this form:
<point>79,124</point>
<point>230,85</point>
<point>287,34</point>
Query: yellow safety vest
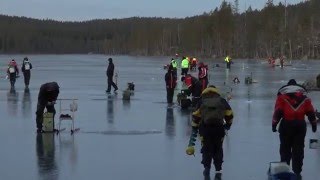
<point>185,63</point>
<point>227,59</point>
<point>174,64</point>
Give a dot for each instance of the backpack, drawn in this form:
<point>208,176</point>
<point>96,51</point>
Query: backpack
<point>27,66</point>
<point>212,110</point>
<point>12,69</point>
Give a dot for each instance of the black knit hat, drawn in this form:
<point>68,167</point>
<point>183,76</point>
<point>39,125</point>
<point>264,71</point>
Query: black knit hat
<point>292,82</point>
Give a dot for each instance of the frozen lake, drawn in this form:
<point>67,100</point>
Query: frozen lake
<point>140,139</point>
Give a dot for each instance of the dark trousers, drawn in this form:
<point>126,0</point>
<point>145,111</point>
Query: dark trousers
<point>212,146</point>
<point>111,83</point>
<point>12,77</point>
<point>292,144</point>
<point>184,71</point>
<point>26,75</point>
<point>204,83</point>
<point>40,111</point>
<point>228,65</point>
<point>170,92</point>
<point>175,72</point>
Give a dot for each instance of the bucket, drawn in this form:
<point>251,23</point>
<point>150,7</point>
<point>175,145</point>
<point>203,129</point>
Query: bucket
<point>126,95</point>
<point>280,170</point>
<point>314,144</point>
<point>185,103</point>
<point>48,123</point>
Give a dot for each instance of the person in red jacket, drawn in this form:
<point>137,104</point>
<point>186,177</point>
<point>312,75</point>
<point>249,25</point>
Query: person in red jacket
<point>203,75</point>
<point>171,82</point>
<point>292,105</point>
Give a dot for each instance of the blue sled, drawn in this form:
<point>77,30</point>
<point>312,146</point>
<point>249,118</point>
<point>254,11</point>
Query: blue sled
<point>283,176</point>
<point>281,171</point>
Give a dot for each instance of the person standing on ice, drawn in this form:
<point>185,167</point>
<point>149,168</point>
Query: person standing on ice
<point>291,107</point>
<point>12,72</point>
<point>203,75</point>
<point>209,119</point>
<point>174,65</point>
<point>184,66</point>
<point>26,69</point>
<point>110,72</point>
<point>171,82</point>
<point>47,97</point>
<point>228,61</point>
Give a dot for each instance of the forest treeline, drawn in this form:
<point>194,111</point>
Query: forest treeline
<point>293,31</point>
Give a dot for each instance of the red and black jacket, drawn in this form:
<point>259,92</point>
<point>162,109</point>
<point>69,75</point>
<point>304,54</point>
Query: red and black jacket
<point>292,104</point>
<point>171,79</point>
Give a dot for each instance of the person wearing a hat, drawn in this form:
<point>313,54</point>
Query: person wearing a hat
<point>203,75</point>
<point>291,107</point>
<point>110,72</point>
<point>47,97</point>
<point>171,82</point>
<point>12,72</point>
<point>26,69</point>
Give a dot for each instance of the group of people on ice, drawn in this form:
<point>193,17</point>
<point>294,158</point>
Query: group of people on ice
<point>187,63</point>
<point>194,85</point>
<point>277,62</point>
<point>13,72</point>
<point>213,115</point>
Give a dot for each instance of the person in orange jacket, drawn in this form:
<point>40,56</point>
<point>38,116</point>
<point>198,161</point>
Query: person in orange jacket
<point>203,75</point>
<point>291,107</point>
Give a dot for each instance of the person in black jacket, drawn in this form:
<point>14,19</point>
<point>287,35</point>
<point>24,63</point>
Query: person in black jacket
<point>210,120</point>
<point>12,72</point>
<point>171,82</point>
<point>26,69</point>
<point>110,72</point>
<point>47,97</point>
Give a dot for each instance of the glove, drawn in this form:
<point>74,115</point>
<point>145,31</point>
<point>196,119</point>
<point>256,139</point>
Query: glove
<point>227,127</point>
<point>190,150</point>
<point>274,128</point>
<point>314,128</point>
<point>51,103</point>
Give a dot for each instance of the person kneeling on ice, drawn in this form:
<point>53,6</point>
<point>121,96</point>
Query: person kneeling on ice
<point>194,87</point>
<point>48,94</point>
<point>291,107</point>
<point>213,116</point>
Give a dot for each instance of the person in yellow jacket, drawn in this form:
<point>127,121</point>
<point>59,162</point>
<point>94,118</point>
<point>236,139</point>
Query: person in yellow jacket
<point>228,61</point>
<point>184,66</point>
<point>174,65</point>
<point>212,117</point>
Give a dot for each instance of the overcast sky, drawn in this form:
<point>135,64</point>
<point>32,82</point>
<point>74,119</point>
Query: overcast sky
<point>79,10</point>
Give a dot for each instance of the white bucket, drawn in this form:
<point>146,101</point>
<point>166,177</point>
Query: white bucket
<point>73,107</point>
<point>48,123</point>
<point>279,167</point>
<point>314,144</point>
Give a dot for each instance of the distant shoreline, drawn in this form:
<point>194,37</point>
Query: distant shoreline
<point>119,55</point>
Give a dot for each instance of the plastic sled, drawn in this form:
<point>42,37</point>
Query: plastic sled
<point>280,171</point>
